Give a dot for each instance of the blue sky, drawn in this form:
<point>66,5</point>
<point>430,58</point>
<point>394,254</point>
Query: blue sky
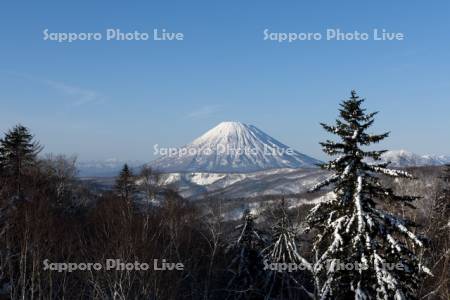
<point>104,99</point>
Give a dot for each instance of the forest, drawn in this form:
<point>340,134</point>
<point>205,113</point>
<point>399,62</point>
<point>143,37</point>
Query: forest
<point>384,234</point>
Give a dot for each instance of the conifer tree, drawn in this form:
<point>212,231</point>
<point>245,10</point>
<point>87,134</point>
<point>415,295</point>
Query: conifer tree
<point>283,252</point>
<point>125,185</point>
<point>445,177</point>
<point>18,151</point>
<point>363,251</point>
<point>439,233</point>
<point>440,215</point>
<point>246,264</point>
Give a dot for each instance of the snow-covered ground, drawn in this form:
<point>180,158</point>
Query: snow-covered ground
<point>243,185</point>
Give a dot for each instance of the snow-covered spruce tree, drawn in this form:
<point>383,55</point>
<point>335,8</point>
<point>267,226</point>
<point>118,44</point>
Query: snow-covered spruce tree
<point>285,267</point>
<point>362,250</point>
<point>246,265</point>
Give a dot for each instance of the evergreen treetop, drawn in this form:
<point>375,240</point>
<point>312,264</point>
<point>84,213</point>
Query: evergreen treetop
<point>125,185</point>
<point>246,261</point>
<point>17,150</point>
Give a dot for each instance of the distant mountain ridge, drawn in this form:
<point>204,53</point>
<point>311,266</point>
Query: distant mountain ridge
<point>104,168</point>
<point>233,147</point>
<point>111,167</point>
<point>277,181</point>
<point>403,158</point>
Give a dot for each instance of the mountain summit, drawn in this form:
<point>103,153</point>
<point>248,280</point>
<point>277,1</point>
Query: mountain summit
<point>232,147</point>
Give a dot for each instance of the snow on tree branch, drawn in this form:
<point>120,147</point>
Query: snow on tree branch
<point>391,172</point>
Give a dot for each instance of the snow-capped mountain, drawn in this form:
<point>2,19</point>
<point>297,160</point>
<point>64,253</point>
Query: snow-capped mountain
<point>233,147</point>
<point>403,158</point>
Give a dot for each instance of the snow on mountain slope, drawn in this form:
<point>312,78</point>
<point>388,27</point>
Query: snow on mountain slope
<point>244,185</point>
<point>233,147</point>
<point>403,158</point>
<point>285,181</point>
